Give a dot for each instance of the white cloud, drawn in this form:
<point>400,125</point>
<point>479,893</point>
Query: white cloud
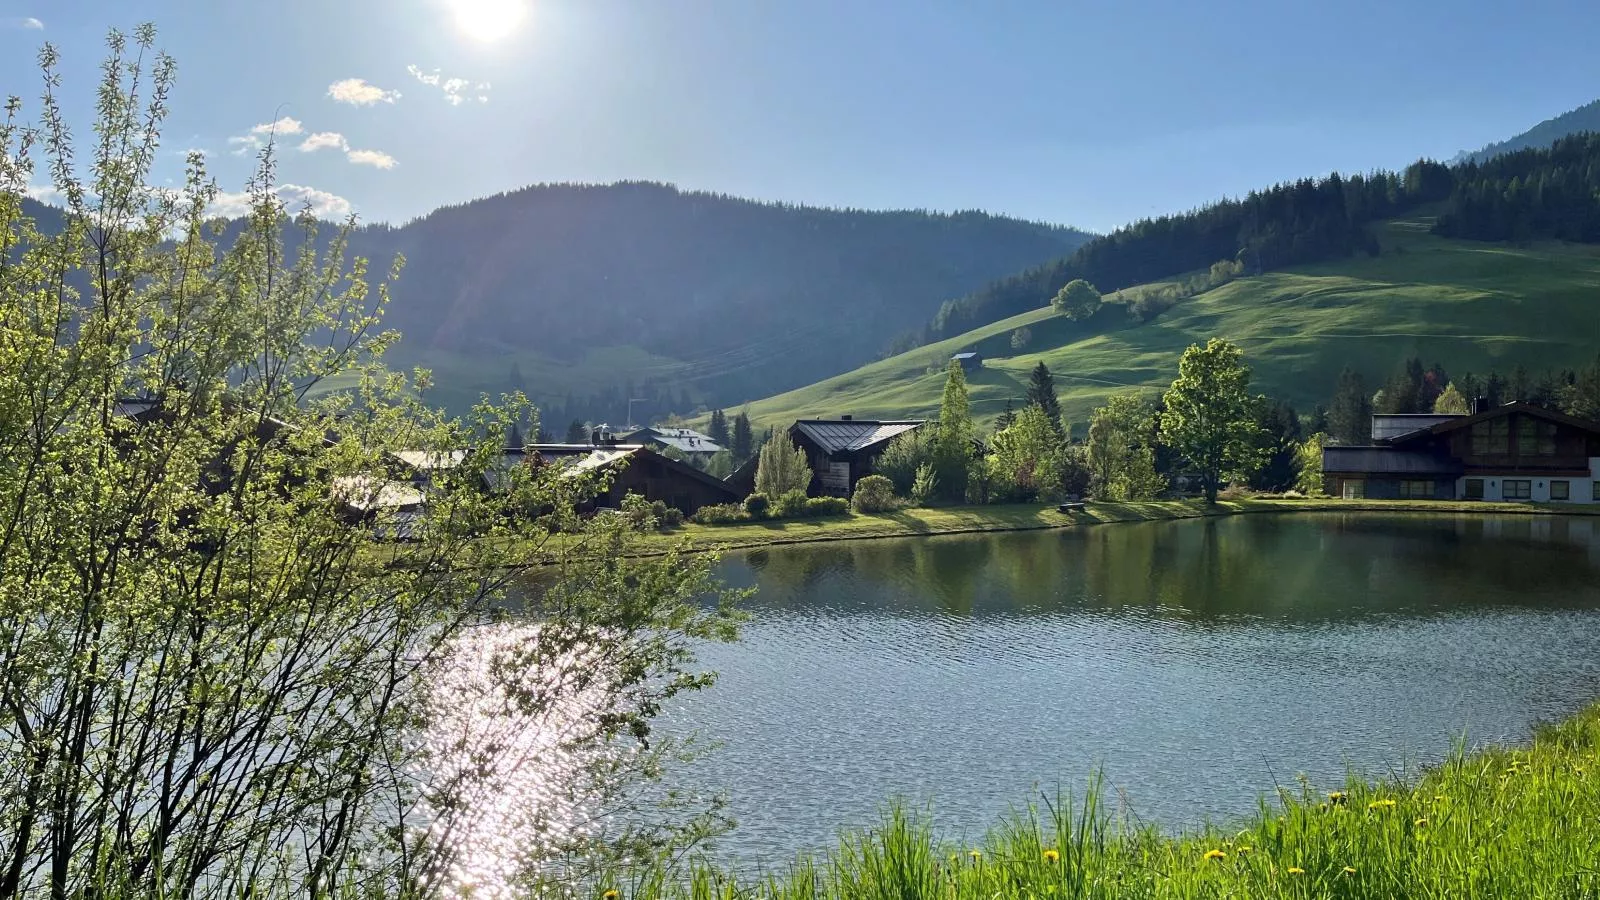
<point>44,193</point>
<point>456,90</point>
<point>358,92</point>
<point>375,158</point>
<point>294,197</point>
<point>27,22</point>
<point>324,140</point>
<point>260,133</point>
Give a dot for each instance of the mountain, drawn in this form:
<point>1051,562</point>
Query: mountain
<point>1471,306</point>
<point>1584,118</point>
<point>586,295</point>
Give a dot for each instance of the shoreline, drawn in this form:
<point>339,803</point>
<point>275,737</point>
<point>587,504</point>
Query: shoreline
<point>953,520</point>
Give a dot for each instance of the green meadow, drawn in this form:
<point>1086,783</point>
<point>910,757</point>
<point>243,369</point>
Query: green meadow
<point>1467,305</point>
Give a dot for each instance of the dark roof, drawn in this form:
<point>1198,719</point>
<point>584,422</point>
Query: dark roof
<point>685,439</point>
<point>1525,408</point>
<point>1386,461</point>
<point>853,435</point>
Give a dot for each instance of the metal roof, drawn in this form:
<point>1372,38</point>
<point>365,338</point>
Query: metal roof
<point>1386,426</point>
<point>685,439</point>
<point>967,355</point>
<point>1386,461</point>
<point>850,435</point>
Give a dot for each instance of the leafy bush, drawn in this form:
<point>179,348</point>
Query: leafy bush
<point>782,468</point>
<point>900,460</point>
<point>672,518</point>
<point>826,506</point>
<point>719,514</point>
<point>874,494</point>
<point>757,506</point>
<point>791,505</point>
<point>639,512</point>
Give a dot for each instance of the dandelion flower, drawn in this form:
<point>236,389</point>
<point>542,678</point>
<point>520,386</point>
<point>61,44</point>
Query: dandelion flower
<point>1385,803</point>
<point>1349,870</point>
<point>1052,855</point>
<point>1216,854</point>
<point>1296,870</point>
<point>1245,848</point>
<point>611,895</point>
<point>974,853</point>
<point>1421,823</point>
<point>1337,798</point>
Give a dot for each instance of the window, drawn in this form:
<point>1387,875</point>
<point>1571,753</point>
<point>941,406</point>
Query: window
<point>1594,491</point>
<point>1560,490</point>
<point>1416,490</point>
<point>1535,437</point>
<point>1354,489</point>
<point>1474,489</point>
<point>1492,437</point>
<point>1516,489</point>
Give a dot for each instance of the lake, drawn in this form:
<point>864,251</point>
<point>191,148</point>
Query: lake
<point>1197,663</point>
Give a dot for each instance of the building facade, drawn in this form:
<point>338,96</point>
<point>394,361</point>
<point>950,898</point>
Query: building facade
<point>842,451</point>
<point>1514,453</point>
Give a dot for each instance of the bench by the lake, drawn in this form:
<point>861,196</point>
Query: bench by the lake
<point>1070,506</point>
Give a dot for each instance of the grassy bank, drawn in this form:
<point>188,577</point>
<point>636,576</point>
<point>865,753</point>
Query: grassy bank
<point>1033,516</point>
<point>1498,822</point>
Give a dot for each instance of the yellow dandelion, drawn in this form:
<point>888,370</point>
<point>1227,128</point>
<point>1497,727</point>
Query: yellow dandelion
<point>1421,823</point>
<point>610,895</point>
<point>975,853</point>
<point>1349,870</point>
<point>1216,854</point>
<point>1245,848</point>
<point>1385,803</point>
<point>1051,856</point>
<point>1296,870</point>
<point>1337,798</point>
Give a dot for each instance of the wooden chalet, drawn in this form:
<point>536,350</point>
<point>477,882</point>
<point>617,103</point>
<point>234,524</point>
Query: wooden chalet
<point>1515,452</point>
<point>842,451</point>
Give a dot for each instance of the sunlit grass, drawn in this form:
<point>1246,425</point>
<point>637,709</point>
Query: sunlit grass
<point>1497,822</point>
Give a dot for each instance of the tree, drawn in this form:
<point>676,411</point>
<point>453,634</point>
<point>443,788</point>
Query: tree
<point>1026,460</point>
<point>900,460</point>
<point>1308,477</point>
<point>1350,414</point>
<point>1208,418</point>
<point>742,438</point>
<point>1278,427</point>
<point>783,468</point>
<point>1077,300</point>
<point>577,432</point>
<point>720,465</point>
<point>1121,454</point>
<point>1042,393</point>
<point>718,430</point>
<point>953,437</point>
<point>1006,418</point>
<point>219,679</point>
<point>1452,401</point>
<point>1021,338</point>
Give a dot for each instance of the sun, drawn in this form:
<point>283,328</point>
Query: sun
<point>488,20</point>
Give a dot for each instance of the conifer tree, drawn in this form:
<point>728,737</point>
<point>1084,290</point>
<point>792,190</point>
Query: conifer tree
<point>1042,393</point>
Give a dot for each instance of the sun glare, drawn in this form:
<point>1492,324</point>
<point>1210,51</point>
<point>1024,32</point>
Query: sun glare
<point>488,20</point>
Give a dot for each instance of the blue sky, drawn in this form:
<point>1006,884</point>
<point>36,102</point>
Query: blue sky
<point>1085,113</point>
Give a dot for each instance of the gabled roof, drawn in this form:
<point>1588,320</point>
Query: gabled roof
<point>685,439</point>
<point>580,459</point>
<point>1522,407</point>
<point>853,435</point>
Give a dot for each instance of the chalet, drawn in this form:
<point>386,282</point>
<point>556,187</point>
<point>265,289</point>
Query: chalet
<point>970,361</point>
<point>687,441</point>
<point>634,469</point>
<point>842,451</point>
<point>1515,452</point>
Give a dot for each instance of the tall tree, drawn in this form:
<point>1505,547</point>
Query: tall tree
<point>1451,400</point>
<point>743,439</point>
<point>1042,393</point>
<point>1279,432</point>
<point>718,431</point>
<point>1025,460</point>
<point>577,432</point>
<point>952,446</point>
<point>1121,452</point>
<point>1350,414</point>
<point>782,469</point>
<point>1209,416</point>
<point>1006,418</point>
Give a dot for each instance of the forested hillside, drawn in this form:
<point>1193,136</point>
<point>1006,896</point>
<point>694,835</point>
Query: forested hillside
<point>1584,118</point>
<point>1546,193</point>
<point>584,296</point>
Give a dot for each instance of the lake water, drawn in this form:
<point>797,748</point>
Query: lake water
<point>1197,663</point>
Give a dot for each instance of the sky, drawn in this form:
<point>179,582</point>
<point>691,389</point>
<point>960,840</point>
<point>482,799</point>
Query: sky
<point>1091,114</point>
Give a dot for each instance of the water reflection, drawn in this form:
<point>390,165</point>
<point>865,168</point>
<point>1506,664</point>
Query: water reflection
<point>1200,661</point>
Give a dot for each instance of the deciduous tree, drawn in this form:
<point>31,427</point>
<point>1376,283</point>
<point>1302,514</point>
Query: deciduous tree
<point>1208,418</point>
<point>1077,300</point>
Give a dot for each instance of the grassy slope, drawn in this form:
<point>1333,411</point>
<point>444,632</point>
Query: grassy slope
<point>1467,305</point>
<point>1495,823</point>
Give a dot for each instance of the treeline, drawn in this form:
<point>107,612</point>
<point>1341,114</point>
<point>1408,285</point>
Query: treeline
<point>1415,388</point>
<point>1529,194</point>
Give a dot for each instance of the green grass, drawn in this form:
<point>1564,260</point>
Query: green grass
<point>1467,305</point>
<point>1497,822</point>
